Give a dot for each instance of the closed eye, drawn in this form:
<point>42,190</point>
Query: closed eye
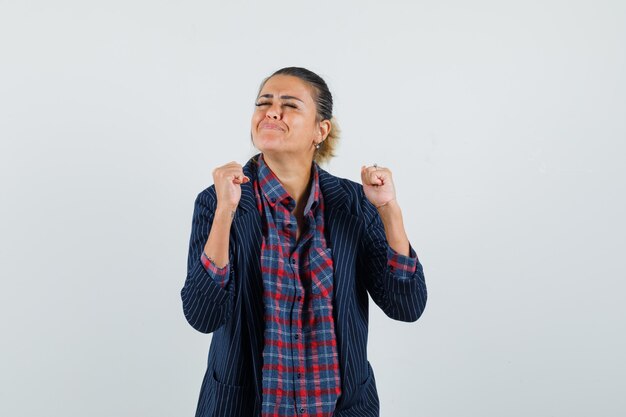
<point>267,103</point>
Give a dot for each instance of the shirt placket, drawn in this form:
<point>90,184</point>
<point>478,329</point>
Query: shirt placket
<point>301,373</point>
<point>294,250</point>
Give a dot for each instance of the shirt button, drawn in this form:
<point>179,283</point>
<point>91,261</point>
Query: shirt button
<point>299,297</point>
<point>293,260</point>
<point>299,375</point>
<point>297,336</point>
<point>273,200</point>
<point>288,226</point>
<point>302,410</point>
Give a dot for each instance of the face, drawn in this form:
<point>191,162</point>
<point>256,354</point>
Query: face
<point>285,118</point>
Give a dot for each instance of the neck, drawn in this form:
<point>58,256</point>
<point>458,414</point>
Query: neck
<point>293,174</point>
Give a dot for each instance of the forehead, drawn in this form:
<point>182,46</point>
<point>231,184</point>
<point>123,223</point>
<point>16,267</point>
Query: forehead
<point>287,85</point>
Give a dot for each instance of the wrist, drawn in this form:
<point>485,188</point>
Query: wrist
<point>390,214</point>
<point>389,206</point>
<point>225,212</point>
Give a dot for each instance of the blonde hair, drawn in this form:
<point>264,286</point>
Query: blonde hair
<point>328,146</point>
<point>324,103</point>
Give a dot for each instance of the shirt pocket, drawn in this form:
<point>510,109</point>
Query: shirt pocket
<point>321,268</point>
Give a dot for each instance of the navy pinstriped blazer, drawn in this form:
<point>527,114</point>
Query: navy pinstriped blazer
<point>353,229</point>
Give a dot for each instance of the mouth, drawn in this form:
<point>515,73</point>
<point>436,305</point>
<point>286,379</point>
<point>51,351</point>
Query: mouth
<point>270,126</point>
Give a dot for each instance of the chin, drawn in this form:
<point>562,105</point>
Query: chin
<point>265,142</point>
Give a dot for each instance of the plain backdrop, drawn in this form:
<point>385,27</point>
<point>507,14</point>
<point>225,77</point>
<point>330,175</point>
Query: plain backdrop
<point>503,122</point>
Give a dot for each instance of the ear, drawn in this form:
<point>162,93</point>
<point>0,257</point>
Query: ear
<point>324,129</point>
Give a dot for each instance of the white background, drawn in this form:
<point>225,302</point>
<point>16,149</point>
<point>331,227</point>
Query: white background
<point>504,124</point>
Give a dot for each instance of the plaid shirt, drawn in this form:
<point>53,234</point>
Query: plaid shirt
<point>301,373</point>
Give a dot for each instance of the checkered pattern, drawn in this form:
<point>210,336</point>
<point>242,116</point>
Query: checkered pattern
<point>402,266</point>
<point>301,373</point>
<point>219,275</point>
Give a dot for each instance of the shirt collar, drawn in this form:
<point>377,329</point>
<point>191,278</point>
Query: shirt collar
<point>274,191</point>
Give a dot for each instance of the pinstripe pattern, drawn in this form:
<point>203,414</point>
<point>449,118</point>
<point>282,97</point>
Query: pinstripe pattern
<point>235,313</point>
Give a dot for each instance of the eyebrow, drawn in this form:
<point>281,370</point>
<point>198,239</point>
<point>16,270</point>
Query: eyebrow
<point>282,97</point>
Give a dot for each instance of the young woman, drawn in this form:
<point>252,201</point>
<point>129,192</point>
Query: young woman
<point>282,256</point>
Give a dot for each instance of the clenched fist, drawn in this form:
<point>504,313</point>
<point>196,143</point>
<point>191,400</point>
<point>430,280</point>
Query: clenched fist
<point>378,185</point>
<point>228,179</point>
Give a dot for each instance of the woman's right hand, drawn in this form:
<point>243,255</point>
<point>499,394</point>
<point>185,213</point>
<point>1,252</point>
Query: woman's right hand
<point>228,179</point>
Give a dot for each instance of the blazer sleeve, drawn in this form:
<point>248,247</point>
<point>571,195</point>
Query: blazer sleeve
<point>399,292</point>
<point>207,297</point>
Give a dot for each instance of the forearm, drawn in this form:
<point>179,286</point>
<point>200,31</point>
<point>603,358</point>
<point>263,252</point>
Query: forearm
<point>391,216</point>
<point>216,246</point>
<point>395,281</point>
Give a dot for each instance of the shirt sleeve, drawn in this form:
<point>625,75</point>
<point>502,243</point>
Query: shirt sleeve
<point>219,275</point>
<point>402,266</point>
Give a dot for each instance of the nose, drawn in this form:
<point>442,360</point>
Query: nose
<point>274,112</point>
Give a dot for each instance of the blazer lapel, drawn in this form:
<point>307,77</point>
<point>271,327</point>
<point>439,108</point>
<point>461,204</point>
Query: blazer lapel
<point>247,238</point>
<point>343,231</point>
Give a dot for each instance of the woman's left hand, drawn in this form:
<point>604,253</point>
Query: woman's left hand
<point>378,185</point>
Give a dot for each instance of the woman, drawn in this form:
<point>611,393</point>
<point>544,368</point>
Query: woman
<point>282,256</point>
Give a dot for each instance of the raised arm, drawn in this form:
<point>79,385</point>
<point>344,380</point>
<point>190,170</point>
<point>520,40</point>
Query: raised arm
<point>207,296</point>
<point>393,274</point>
